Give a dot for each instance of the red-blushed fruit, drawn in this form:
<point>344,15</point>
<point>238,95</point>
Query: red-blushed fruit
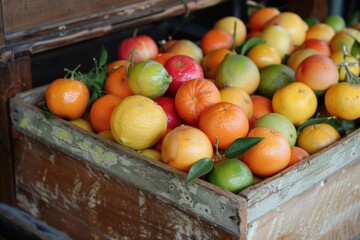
<point>168,105</point>
<point>144,46</point>
<point>182,68</point>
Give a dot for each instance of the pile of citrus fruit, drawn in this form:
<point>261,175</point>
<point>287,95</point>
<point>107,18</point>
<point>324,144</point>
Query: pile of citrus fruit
<point>290,86</point>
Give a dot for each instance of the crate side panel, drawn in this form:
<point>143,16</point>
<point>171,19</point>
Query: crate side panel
<point>329,209</point>
<point>284,186</point>
<point>111,206</point>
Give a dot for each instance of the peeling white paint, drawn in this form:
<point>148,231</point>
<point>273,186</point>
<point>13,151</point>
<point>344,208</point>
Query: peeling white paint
<point>44,175</point>
<point>52,159</point>
<point>94,190</point>
<point>31,207</point>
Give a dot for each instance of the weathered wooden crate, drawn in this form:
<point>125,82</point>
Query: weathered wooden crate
<point>93,188</point>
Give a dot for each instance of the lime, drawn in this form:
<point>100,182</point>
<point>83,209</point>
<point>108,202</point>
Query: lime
<point>280,123</point>
<point>149,79</point>
<point>337,22</point>
<point>311,20</point>
<point>273,77</point>
<point>231,174</point>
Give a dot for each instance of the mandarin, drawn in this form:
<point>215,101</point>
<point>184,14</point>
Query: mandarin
<point>297,154</point>
<point>212,60</point>
<point>261,106</point>
<point>259,18</point>
<point>117,83</point>
<point>223,123</point>
<point>269,156</point>
<point>215,39</point>
<point>193,97</point>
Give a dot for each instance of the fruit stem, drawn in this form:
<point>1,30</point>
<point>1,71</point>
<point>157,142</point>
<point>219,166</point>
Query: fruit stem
<point>234,38</point>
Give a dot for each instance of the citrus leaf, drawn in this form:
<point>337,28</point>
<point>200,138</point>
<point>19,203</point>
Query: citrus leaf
<point>246,46</point>
<point>200,168</point>
<point>103,57</point>
<point>342,126</point>
<point>241,145</point>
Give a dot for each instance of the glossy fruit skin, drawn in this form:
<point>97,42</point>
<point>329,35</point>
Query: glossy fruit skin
<point>316,137</point>
<point>224,122</point>
<point>67,98</point>
<point>261,106</point>
<point>297,154</point>
<point>259,18</point>
<point>231,174</point>
<point>168,105</point>
<point>182,68</point>
<point>216,39</point>
<point>342,100</point>
<point>269,156</point>
<point>145,47</point>
<point>264,55</point>
<point>117,83</point>
<point>193,97</point>
<point>238,96</point>
<point>212,61</point>
<point>318,45</point>
<point>342,39</point>
<point>185,145</point>
<point>187,48</point>
<point>227,24</point>
<point>298,56</point>
<point>320,31</point>
<point>277,37</point>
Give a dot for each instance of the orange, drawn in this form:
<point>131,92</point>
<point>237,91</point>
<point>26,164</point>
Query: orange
<point>193,97</point>
<point>100,111</point>
<point>116,64</point>
<point>238,96</point>
<point>212,60</point>
<point>224,122</point>
<point>215,39</point>
<point>340,60</point>
<point>163,57</point>
<point>318,72</point>
<point>269,156</point>
<point>297,154</point>
<point>228,24</point>
<point>67,98</point>
<point>320,31</point>
<point>316,137</point>
<point>259,18</point>
<point>117,83</point>
<point>261,106</point>
<point>298,56</point>
<point>342,100</point>
<point>296,100</point>
<point>263,55</point>
<point>185,145</point>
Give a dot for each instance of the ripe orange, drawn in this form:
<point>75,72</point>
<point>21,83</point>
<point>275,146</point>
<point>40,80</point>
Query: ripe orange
<point>116,64</point>
<point>117,83</point>
<point>263,55</point>
<point>270,156</point>
<point>185,145</point>
<point>342,100</point>
<point>100,111</point>
<point>320,31</point>
<point>261,106</point>
<point>259,18</point>
<point>297,154</point>
<point>212,60</point>
<point>316,137</point>
<point>67,98</point>
<point>193,97</point>
<point>215,39</point>
<point>163,57</point>
<point>318,72</point>
<point>238,96</point>
<point>224,122</point>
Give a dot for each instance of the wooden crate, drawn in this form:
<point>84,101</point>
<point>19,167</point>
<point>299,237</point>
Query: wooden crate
<point>67,175</point>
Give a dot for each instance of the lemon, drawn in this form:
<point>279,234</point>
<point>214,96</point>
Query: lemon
<point>106,134</point>
<point>138,122</point>
<point>231,174</point>
<point>152,153</point>
<point>149,78</point>
<point>83,123</point>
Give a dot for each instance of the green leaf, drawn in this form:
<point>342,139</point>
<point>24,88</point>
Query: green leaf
<point>200,168</point>
<point>103,57</point>
<point>342,126</point>
<point>241,145</point>
<point>246,46</point>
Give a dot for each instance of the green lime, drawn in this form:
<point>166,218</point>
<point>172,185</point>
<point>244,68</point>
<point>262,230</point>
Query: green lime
<point>149,79</point>
<point>279,123</point>
<point>273,77</point>
<point>311,21</point>
<point>337,22</point>
<point>231,174</point>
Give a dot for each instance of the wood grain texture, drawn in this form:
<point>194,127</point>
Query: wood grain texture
<point>60,189</point>
<point>329,209</point>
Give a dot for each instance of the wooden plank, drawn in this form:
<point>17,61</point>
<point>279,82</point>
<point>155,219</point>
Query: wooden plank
<point>14,77</point>
<point>329,209</point>
<point>2,34</point>
<point>274,191</point>
<point>109,206</point>
<point>228,211</point>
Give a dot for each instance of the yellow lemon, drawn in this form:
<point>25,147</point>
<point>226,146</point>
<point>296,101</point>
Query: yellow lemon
<point>152,153</point>
<point>138,122</point>
<point>83,123</point>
